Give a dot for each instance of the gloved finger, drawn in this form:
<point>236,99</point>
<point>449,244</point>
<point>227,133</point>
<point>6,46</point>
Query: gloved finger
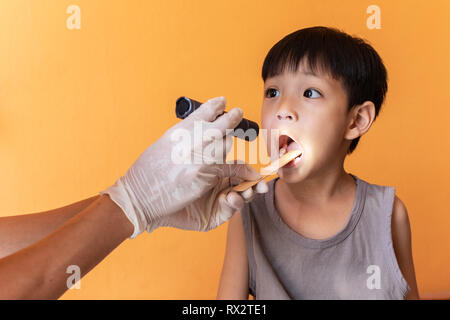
<point>261,187</point>
<point>220,150</point>
<point>235,201</point>
<point>240,171</point>
<point>229,120</point>
<point>226,209</point>
<point>215,148</point>
<point>209,110</point>
<point>248,194</point>
<point>227,144</point>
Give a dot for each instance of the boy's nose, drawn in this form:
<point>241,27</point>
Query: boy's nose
<point>286,114</point>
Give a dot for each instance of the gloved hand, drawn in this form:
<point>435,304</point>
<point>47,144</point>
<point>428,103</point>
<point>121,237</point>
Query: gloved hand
<point>217,205</point>
<point>196,188</point>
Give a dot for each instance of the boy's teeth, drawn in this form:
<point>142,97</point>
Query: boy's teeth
<point>282,151</point>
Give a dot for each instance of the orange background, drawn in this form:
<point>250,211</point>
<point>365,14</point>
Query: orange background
<point>77,107</point>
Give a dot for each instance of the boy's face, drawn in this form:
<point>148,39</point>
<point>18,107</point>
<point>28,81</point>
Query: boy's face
<point>312,111</point>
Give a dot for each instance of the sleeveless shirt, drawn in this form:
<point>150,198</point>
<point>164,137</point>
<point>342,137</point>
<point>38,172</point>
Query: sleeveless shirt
<point>358,262</point>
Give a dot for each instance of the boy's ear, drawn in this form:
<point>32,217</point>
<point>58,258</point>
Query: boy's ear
<point>360,118</point>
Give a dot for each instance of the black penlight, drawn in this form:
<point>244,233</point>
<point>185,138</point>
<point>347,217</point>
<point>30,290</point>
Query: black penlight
<point>249,129</point>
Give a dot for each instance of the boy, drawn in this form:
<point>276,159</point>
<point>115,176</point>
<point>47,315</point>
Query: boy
<point>319,232</point>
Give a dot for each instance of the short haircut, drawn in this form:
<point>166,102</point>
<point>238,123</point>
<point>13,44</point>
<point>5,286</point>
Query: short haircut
<point>346,58</point>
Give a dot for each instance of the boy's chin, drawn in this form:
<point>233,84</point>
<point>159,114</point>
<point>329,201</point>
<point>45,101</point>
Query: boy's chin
<point>291,175</point>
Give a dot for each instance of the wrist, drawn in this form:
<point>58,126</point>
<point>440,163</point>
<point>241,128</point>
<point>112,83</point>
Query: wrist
<point>123,196</point>
<point>121,221</point>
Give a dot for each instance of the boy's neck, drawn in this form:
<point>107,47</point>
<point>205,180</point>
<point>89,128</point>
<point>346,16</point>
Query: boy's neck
<point>317,191</point>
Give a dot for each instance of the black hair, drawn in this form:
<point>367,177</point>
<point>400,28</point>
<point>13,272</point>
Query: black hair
<point>346,58</point>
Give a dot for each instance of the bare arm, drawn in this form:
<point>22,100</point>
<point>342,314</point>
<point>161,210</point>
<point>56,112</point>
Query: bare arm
<point>234,279</point>
<point>39,271</point>
<point>401,238</point>
<point>18,232</point>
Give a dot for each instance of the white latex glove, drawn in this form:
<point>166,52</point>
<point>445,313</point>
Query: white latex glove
<point>217,205</point>
<point>196,192</point>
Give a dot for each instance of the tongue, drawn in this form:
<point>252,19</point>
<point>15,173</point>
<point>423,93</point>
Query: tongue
<point>292,146</point>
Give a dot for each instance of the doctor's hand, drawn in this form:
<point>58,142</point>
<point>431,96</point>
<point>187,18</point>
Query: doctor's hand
<point>217,205</point>
<point>188,189</point>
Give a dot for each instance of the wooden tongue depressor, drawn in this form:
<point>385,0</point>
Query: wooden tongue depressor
<point>271,169</point>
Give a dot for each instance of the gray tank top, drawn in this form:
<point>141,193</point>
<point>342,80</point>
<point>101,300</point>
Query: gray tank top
<point>358,262</point>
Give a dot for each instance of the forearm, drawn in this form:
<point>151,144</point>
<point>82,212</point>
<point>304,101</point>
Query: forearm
<point>18,232</point>
<point>39,271</point>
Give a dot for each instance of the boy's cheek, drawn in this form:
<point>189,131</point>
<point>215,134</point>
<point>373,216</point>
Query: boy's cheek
<point>267,135</point>
<point>325,143</point>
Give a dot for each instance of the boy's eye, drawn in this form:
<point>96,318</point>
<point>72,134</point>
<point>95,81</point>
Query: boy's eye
<point>270,91</point>
<point>309,93</point>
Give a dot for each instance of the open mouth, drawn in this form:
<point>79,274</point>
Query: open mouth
<point>286,144</point>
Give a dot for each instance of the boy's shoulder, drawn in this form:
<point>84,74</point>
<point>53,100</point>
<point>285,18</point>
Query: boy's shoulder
<point>378,188</point>
<point>399,208</point>
<point>399,212</point>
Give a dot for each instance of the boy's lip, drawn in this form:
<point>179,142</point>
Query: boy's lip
<point>285,138</point>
